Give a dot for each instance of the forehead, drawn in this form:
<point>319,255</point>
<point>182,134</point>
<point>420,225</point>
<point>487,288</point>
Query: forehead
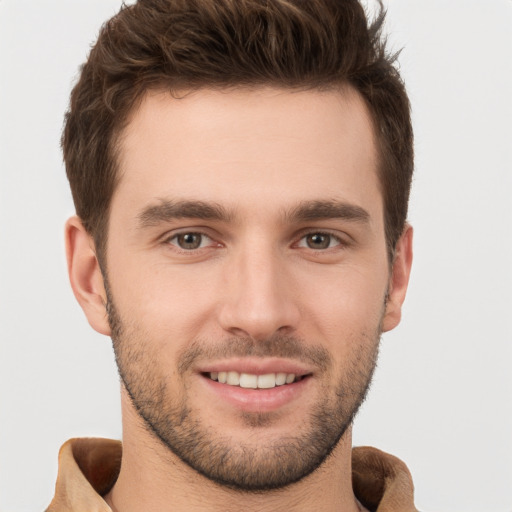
<point>249,148</point>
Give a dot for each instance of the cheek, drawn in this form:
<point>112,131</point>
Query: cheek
<point>345,303</point>
<point>168,302</point>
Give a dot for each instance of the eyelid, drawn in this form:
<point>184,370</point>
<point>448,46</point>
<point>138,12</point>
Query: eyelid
<point>202,235</point>
<point>200,230</point>
<point>343,241</point>
<point>204,232</point>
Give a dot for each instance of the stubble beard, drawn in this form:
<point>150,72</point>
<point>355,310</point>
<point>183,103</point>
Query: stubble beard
<point>243,467</point>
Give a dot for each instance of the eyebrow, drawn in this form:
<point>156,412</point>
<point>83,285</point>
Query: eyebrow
<point>306,211</point>
<point>168,210</point>
<point>323,210</point>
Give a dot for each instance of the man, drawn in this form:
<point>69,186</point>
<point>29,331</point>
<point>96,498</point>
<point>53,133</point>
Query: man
<point>241,173</point>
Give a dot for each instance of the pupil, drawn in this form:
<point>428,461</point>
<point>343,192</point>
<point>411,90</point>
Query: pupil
<point>318,241</point>
<point>190,241</point>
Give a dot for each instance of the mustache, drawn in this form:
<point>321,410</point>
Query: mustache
<point>279,345</point>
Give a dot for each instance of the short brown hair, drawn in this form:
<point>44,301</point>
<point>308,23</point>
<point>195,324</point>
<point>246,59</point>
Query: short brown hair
<point>192,44</point>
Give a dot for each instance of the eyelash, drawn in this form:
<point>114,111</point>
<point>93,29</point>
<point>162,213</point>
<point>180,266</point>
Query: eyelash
<point>185,233</point>
<point>332,237</point>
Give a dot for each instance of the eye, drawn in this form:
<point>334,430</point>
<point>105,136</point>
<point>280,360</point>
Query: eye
<point>190,241</point>
<point>319,241</point>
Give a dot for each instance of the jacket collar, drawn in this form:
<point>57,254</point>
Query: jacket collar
<point>89,467</point>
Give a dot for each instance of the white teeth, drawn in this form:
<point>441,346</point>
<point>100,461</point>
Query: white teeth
<point>233,379</point>
<point>251,381</point>
<point>248,381</point>
<point>267,381</point>
<point>281,379</point>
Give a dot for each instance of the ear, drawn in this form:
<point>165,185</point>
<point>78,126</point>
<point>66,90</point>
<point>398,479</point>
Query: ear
<point>399,280</point>
<point>85,275</point>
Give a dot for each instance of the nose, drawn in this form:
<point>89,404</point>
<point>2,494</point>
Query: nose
<point>258,298</point>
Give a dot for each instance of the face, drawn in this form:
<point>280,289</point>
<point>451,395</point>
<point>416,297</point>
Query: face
<point>248,279</point>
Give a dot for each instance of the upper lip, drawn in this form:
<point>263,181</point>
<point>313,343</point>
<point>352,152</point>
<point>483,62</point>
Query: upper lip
<point>256,366</point>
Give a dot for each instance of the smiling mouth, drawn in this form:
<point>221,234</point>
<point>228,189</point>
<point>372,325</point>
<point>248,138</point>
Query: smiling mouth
<point>253,381</point>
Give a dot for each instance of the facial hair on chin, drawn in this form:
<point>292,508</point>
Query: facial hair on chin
<point>243,467</point>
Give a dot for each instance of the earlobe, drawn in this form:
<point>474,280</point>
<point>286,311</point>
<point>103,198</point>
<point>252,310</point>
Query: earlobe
<point>85,275</point>
<point>399,280</point>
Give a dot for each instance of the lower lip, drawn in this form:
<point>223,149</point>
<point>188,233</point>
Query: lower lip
<point>258,400</point>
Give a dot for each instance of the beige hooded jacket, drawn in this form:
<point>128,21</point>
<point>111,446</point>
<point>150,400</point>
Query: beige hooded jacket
<point>88,468</point>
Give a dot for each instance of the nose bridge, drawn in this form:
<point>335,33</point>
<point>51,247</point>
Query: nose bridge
<point>258,301</point>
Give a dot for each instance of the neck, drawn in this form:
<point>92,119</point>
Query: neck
<point>153,478</point>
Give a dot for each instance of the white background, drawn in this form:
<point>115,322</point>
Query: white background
<point>441,399</point>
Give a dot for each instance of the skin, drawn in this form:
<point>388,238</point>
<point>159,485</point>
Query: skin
<point>259,274</point>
